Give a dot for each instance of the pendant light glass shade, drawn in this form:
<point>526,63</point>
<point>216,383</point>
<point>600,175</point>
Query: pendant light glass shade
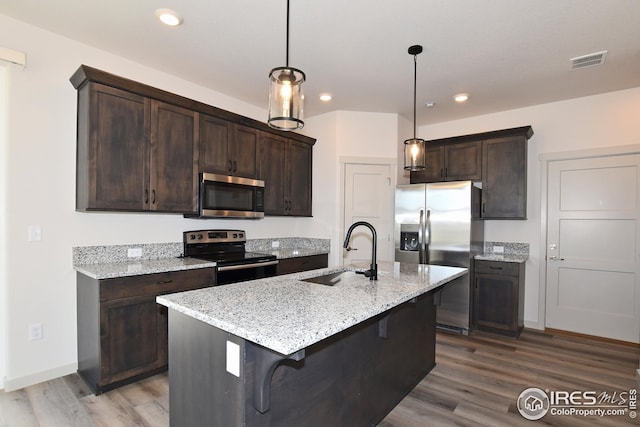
<point>286,98</point>
<point>414,148</point>
<point>414,154</point>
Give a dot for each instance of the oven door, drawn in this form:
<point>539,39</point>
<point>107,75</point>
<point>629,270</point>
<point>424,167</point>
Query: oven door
<point>230,196</point>
<point>242,272</point>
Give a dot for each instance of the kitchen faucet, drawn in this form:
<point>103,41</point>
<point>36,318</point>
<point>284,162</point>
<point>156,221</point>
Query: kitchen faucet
<point>372,273</point>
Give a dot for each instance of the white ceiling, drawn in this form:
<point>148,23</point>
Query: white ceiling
<point>505,53</point>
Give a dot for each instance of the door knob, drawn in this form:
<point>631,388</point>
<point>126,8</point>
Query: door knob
<point>555,258</point>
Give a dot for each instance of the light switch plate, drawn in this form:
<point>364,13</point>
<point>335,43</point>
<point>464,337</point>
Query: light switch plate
<point>498,249</point>
<point>34,233</point>
<point>134,252</point>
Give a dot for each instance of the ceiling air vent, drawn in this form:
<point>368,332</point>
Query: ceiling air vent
<point>588,60</point>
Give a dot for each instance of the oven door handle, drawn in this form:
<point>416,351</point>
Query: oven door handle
<point>246,266</point>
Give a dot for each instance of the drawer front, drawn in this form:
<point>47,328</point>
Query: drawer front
<point>497,267</point>
<point>156,284</point>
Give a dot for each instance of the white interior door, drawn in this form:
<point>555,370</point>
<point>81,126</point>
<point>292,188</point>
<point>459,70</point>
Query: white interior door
<point>368,196</point>
<point>592,253</point>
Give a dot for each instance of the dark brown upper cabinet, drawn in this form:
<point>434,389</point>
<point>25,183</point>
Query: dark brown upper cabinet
<point>228,148</point>
<point>451,162</point>
<point>286,170</point>
<point>140,148</point>
<point>504,178</point>
<point>498,159</point>
<point>133,153</point>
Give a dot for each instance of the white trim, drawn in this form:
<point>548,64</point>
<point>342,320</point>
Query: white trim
<point>50,374</point>
<point>545,158</point>
<point>13,56</point>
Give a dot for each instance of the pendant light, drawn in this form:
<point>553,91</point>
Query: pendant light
<point>286,100</point>
<point>414,148</point>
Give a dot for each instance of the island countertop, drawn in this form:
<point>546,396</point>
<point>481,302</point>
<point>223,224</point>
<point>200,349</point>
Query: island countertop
<point>286,314</point>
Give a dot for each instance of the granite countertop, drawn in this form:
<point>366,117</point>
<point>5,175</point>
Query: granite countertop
<point>112,270</point>
<point>518,258</point>
<point>285,314</point>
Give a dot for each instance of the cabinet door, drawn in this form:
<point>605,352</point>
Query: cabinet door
<point>213,145</point>
<point>496,302</point>
<point>133,337</point>
<point>298,169</point>
<point>434,166</point>
<point>112,149</point>
<point>504,180</point>
<point>244,151</point>
<point>463,161</point>
<point>174,159</point>
<point>272,172</point>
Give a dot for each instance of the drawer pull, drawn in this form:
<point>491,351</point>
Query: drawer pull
<point>164,282</point>
<point>495,268</point>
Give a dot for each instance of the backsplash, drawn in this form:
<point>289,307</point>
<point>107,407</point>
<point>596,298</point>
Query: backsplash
<point>510,248</point>
<point>120,253</point>
<point>266,245</point>
<point>84,255</point>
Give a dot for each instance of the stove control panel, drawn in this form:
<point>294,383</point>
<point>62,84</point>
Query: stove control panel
<point>214,236</point>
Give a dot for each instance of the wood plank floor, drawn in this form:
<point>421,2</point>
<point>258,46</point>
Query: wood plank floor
<point>476,383</point>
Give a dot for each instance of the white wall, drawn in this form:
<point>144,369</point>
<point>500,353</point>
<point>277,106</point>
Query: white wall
<point>611,119</point>
<point>40,190</point>
<point>3,249</point>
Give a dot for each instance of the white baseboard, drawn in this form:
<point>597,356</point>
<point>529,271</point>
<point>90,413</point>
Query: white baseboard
<point>533,325</point>
<point>12,384</point>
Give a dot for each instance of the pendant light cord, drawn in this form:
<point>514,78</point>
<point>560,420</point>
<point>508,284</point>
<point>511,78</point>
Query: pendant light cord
<point>415,78</point>
<point>287,59</point>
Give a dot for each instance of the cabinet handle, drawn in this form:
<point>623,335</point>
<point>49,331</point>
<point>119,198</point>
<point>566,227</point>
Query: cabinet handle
<point>164,282</point>
<point>495,268</point>
<point>153,197</point>
<point>446,172</point>
<point>235,166</point>
<point>146,196</point>
<point>483,207</point>
<point>230,166</point>
<point>441,173</point>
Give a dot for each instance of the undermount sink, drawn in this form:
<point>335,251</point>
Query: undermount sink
<point>328,279</point>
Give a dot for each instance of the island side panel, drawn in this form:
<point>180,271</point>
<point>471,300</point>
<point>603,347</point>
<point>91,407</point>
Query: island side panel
<point>354,378</point>
<point>201,391</point>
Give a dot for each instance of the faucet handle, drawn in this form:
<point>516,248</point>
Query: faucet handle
<point>349,248</point>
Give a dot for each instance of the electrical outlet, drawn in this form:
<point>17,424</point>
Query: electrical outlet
<point>134,252</point>
<point>35,331</point>
<point>275,244</point>
<point>498,249</point>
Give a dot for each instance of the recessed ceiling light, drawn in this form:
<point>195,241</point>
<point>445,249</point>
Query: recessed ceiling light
<point>325,97</point>
<point>169,17</point>
<point>461,97</point>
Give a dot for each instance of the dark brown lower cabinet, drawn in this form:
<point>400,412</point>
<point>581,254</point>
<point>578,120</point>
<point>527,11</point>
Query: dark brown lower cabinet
<point>122,332</point>
<point>353,378</point>
<point>498,297</point>
<point>303,263</point>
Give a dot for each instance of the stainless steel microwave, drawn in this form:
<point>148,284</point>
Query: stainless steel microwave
<point>223,196</point>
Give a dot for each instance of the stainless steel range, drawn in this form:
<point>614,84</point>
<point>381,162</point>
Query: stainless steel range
<point>227,249</point>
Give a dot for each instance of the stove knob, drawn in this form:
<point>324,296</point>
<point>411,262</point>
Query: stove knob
<point>235,235</point>
<point>200,237</point>
<point>192,236</point>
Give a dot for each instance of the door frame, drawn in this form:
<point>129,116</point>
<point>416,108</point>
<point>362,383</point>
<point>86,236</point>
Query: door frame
<point>379,161</point>
<point>545,159</point>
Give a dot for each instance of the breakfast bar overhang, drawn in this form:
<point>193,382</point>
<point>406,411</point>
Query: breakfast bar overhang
<point>284,351</point>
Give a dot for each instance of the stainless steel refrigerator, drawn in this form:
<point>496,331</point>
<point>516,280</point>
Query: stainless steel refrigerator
<point>439,224</point>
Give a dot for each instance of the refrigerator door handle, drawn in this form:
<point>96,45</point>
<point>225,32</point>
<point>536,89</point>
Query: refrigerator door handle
<point>427,240</point>
<point>421,255</point>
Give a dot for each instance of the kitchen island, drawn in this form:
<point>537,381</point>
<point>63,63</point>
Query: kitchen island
<point>285,351</point>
